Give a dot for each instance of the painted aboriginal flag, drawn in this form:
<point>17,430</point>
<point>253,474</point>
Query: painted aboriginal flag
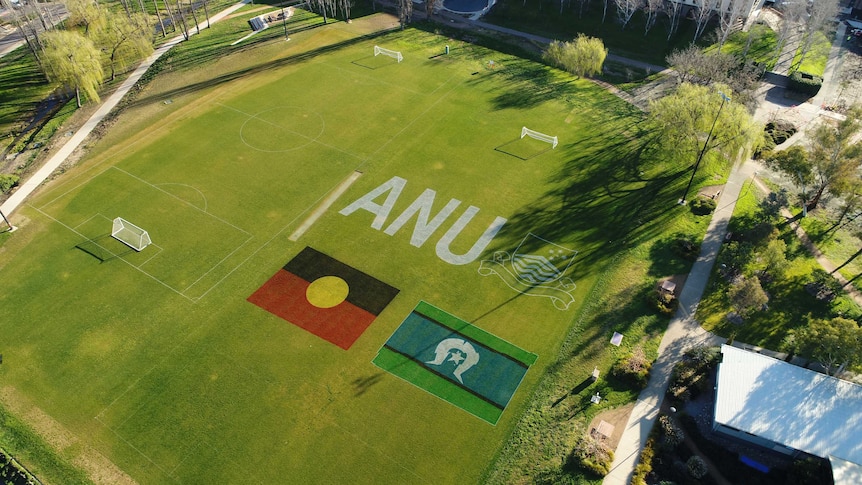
<point>324,296</point>
<point>455,361</point>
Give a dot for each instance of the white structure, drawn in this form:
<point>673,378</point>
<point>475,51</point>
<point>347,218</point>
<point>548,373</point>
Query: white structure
<point>539,136</point>
<point>130,234</point>
<point>387,52</point>
<point>788,408</point>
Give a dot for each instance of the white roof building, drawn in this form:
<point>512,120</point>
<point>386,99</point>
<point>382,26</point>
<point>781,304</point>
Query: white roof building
<point>787,408</point>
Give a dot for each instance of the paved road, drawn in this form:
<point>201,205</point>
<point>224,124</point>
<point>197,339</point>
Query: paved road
<point>18,197</point>
<point>54,12</point>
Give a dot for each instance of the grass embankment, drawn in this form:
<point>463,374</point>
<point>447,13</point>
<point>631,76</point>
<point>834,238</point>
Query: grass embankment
<point>19,440</point>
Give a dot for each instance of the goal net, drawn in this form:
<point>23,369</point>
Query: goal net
<point>386,52</point>
<point>539,136</point>
<point>130,234</point>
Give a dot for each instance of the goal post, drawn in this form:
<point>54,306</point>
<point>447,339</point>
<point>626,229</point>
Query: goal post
<point>388,52</point>
<point>130,234</point>
<point>539,136</point>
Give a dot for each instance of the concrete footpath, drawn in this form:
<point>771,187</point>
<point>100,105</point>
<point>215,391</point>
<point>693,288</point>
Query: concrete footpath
<point>682,333</point>
<point>27,188</point>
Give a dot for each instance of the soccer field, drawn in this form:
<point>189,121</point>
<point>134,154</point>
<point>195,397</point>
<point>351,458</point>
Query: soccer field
<point>348,282</point>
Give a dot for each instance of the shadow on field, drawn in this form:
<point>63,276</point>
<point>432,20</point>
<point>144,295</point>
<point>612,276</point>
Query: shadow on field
<point>362,384</point>
<point>232,76</point>
<point>93,248</point>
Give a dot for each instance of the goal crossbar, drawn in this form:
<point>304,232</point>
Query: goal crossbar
<point>539,136</point>
<point>130,234</point>
<point>387,52</point>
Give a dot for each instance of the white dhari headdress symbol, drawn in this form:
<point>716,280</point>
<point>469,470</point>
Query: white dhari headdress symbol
<point>459,351</point>
<point>537,274</point>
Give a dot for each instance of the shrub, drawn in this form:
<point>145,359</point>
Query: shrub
<point>644,466</point>
<point>592,455</point>
<point>7,181</point>
<point>779,131</point>
<point>665,303</point>
<point>673,434</point>
<point>633,368</point>
<point>702,206</point>
<point>685,246</point>
<point>804,83</point>
<point>697,467</point>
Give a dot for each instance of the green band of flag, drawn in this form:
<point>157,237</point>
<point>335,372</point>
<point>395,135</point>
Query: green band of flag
<point>455,361</point>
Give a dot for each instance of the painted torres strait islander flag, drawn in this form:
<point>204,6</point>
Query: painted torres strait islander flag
<point>324,296</point>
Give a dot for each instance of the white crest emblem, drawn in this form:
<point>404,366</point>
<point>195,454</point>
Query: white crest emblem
<point>535,268</point>
<point>458,351</point>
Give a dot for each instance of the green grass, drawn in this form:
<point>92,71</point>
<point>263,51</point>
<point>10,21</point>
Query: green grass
<point>756,45</point>
<point>22,88</point>
<point>789,304</point>
<point>815,60</point>
<point>19,440</point>
<point>176,377</point>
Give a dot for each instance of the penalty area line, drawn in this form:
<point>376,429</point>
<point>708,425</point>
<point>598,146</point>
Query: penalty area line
<point>324,205</point>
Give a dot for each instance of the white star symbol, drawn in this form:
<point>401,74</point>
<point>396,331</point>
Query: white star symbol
<point>456,357</point>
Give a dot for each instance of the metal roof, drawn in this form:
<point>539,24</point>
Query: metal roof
<point>789,405</point>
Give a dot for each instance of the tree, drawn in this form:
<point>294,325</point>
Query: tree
<point>684,119</point>
<point>673,11</point>
<point>703,11</point>
<point>123,39</point>
<point>747,296</point>
<point>729,15</point>
<point>820,14</point>
<point>792,14</point>
<point>85,13</point>
<point>834,155</point>
<point>796,164</point>
<point>73,61</point>
<point>774,258</point>
<point>582,57</point>
<point>405,12</point>
<point>652,9</point>
<point>835,344</point>
<point>626,9</point>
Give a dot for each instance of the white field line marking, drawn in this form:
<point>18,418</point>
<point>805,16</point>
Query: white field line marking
<point>217,265</point>
<point>182,200</point>
<point>206,205</point>
<point>118,435</point>
<point>313,140</point>
<point>121,259</point>
<point>324,206</point>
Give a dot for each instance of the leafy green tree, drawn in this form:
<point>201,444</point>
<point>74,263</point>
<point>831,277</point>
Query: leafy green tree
<point>747,296</point>
<point>835,156</point>
<point>584,56</point>
<point>835,343</point>
<point>84,13</point>
<point>774,258</point>
<point>683,120</point>
<point>796,164</point>
<point>73,61</point>
<point>124,39</point>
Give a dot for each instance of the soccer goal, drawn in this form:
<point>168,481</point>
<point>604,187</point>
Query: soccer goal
<point>130,234</point>
<point>539,136</point>
<point>386,52</point>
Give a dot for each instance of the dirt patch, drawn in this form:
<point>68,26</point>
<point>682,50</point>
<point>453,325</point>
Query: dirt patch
<point>618,418</point>
<point>711,191</point>
<point>97,467</point>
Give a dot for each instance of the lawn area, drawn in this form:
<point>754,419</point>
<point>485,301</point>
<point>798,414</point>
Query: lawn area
<point>22,88</point>
<point>789,304</point>
<point>417,177</point>
<point>756,45</point>
<point>815,60</point>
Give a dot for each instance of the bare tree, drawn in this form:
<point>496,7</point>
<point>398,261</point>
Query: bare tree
<point>652,9</point>
<point>730,16</point>
<point>345,6</point>
<point>703,11</point>
<point>405,12</point>
<point>672,9</point>
<point>793,12</point>
<point>626,9</point>
<point>820,13</point>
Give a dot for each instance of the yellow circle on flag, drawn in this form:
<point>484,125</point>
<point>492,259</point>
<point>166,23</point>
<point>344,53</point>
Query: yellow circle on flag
<point>327,291</point>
